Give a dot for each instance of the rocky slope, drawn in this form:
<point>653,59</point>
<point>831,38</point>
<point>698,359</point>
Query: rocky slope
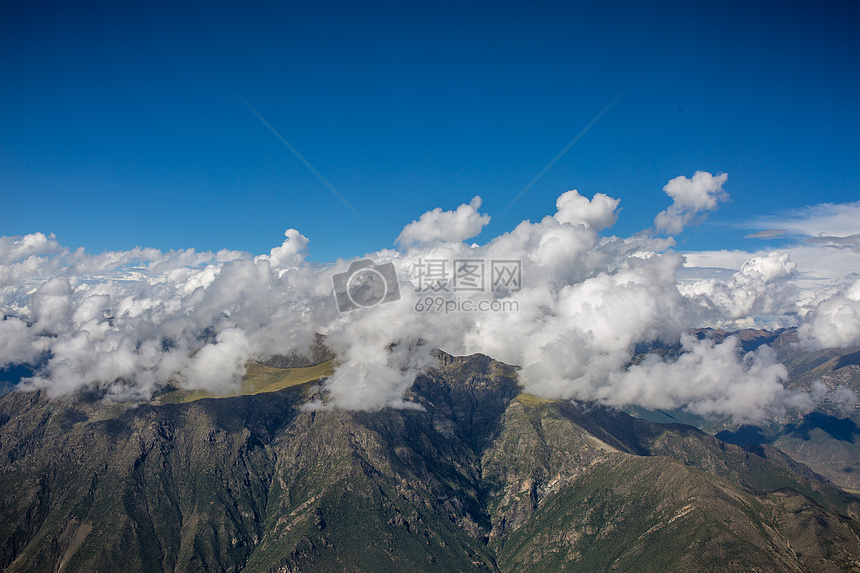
<point>482,478</point>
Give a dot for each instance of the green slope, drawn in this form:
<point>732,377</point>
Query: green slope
<point>258,379</point>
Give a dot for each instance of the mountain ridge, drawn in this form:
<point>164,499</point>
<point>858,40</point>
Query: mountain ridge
<point>484,478</point>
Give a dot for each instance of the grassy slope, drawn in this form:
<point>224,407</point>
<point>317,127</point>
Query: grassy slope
<point>258,379</point>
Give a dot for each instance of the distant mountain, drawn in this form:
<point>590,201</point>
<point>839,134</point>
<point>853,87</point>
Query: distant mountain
<point>482,479</point>
<point>827,439</point>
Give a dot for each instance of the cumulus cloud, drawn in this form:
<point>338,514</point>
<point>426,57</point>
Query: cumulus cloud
<point>598,213</point>
<point>376,368</point>
<point>290,253</point>
<point>14,249</point>
<point>447,226</point>
<point>218,366</point>
<point>708,379</point>
<point>18,345</point>
<point>760,287</point>
<point>835,320</point>
<point>130,322</point>
<point>690,197</point>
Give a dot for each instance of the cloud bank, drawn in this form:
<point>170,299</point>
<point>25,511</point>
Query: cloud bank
<point>559,297</point>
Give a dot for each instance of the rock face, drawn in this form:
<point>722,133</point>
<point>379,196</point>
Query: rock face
<point>482,479</point>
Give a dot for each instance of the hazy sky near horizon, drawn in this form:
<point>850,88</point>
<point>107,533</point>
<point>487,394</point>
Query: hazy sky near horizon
<point>120,125</point>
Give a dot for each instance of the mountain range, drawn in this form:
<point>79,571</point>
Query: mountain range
<point>476,477</point>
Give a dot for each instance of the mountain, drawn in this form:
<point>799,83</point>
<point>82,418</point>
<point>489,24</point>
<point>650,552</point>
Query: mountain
<point>826,439</point>
<point>481,478</point>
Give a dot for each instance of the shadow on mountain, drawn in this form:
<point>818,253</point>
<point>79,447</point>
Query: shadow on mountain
<point>847,360</point>
<point>842,429</point>
<point>745,436</point>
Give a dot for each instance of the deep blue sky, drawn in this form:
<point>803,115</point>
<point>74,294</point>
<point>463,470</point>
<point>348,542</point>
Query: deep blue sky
<point>120,125</point>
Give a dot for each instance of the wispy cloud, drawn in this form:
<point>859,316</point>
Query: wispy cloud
<point>822,220</point>
<point>849,242</point>
<point>768,234</point>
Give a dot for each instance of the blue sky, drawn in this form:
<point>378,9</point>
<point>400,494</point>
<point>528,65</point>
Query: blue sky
<point>120,125</point>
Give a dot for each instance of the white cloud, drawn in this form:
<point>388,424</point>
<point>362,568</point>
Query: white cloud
<point>731,260</point>
<point>380,356</point>
<point>690,197</point>
<point>830,220</point>
<point>707,379</point>
<point>52,305</point>
<point>18,345</point>
<point>16,249</point>
<point>816,265</point>
<point>762,286</point>
<point>128,322</point>
<point>834,321</point>
<point>447,226</point>
<point>219,366</point>
<point>599,213</point>
<point>290,253</point>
